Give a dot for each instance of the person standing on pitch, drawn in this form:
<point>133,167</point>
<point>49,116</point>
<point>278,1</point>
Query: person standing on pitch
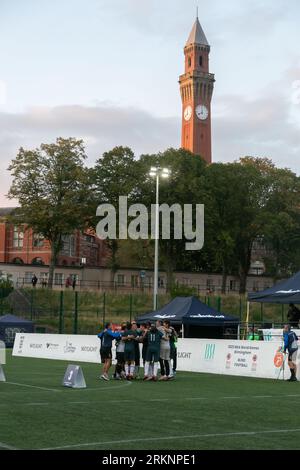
<point>291,346</point>
<point>129,337</point>
<point>106,337</point>
<point>154,337</point>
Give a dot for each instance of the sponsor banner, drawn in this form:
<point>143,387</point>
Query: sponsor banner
<point>83,348</point>
<point>245,358</point>
<point>274,334</point>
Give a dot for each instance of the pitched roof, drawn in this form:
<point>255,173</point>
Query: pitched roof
<point>197,35</point>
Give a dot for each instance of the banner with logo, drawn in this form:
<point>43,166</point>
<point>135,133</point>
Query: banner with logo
<point>246,358</point>
<point>83,348</point>
<point>216,356</point>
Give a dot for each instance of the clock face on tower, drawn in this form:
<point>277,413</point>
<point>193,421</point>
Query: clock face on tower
<point>187,114</point>
<point>202,112</point>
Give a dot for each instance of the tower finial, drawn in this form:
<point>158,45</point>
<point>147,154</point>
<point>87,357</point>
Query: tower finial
<point>197,8</point>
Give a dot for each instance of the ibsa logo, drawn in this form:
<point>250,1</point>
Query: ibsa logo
<point>209,352</point>
<point>278,359</point>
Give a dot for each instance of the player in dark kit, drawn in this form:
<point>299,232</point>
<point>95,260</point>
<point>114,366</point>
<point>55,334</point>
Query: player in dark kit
<point>129,336</point>
<point>153,338</point>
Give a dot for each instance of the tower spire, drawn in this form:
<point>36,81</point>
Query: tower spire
<point>197,12</point>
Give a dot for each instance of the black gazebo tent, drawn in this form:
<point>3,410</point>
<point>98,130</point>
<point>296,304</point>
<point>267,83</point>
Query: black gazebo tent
<point>198,319</point>
<point>284,292</point>
<point>10,325</point>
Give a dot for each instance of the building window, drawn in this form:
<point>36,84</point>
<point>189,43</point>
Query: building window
<point>68,245</point>
<point>18,237</point>
<point>201,61</point>
<point>38,240</point>
<point>58,279</point>
<point>189,61</point>
<point>121,280</point>
<point>232,285</point>
<point>210,285</point>
<point>134,280</point>
<point>161,282</point>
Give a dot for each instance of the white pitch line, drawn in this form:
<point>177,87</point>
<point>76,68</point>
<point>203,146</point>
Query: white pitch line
<point>34,386</point>
<point>172,438</point>
<point>7,447</point>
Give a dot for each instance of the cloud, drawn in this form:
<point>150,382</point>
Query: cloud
<point>102,127</point>
<point>266,125</point>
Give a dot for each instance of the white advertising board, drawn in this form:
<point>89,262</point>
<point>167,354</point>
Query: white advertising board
<point>216,356</point>
<point>82,348</point>
<point>245,358</point>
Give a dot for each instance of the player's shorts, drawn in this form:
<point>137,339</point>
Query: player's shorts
<point>120,356</point>
<point>152,355</point>
<point>129,356</point>
<point>293,355</point>
<point>105,353</point>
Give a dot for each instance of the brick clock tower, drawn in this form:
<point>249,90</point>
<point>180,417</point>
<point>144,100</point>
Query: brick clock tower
<point>196,88</point>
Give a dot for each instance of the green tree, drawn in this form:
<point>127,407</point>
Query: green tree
<point>51,185</point>
<point>115,174</point>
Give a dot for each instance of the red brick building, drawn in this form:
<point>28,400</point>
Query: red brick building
<point>19,245</point>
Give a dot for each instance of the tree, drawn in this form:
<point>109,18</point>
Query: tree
<point>114,175</point>
<point>51,185</point>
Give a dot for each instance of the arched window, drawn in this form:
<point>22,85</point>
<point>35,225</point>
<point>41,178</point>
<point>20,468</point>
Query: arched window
<point>189,61</point>
<point>18,261</point>
<point>200,60</point>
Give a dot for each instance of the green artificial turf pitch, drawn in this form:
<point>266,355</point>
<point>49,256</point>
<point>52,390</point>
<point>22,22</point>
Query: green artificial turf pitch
<point>195,411</point>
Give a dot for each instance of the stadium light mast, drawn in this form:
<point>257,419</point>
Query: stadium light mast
<point>164,173</point>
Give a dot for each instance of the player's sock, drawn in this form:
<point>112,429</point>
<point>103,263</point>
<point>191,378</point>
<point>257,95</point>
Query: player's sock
<point>147,366</point>
<point>155,369</point>
<point>127,369</point>
<point>132,367</point>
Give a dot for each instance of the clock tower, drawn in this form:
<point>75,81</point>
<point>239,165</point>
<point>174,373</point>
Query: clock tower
<point>196,89</point>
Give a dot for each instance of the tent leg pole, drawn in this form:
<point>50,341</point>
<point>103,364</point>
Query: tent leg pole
<point>182,330</point>
<point>247,319</point>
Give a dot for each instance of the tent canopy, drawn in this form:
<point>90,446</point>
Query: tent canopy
<point>284,292</point>
<point>189,310</point>
<point>10,325</point>
<point>11,319</point>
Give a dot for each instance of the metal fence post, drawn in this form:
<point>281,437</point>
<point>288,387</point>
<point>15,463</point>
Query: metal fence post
<point>75,329</point>
<point>130,307</point>
<point>219,304</point>
<point>31,305</point>
<point>104,307</point>
<point>61,312</point>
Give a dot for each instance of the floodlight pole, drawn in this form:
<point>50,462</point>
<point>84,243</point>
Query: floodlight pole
<point>155,286</point>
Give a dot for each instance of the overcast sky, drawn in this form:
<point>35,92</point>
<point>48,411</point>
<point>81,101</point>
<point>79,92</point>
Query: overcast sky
<point>107,71</point>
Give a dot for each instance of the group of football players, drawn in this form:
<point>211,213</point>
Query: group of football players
<point>158,350</point>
